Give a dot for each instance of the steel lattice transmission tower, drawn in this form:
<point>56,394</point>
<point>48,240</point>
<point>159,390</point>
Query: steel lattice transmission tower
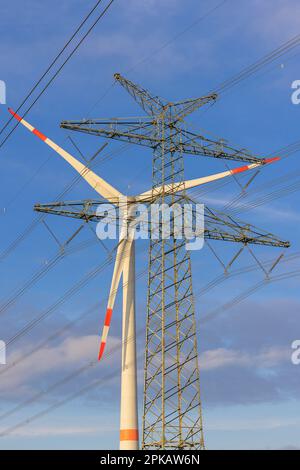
<point>172,416</point>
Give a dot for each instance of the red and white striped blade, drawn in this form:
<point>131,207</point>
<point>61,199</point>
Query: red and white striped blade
<point>99,184</point>
<point>265,161</point>
<point>118,269</point>
<point>105,331</point>
<point>174,188</point>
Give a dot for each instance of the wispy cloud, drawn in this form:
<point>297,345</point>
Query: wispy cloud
<point>57,431</point>
<point>52,360</point>
<point>276,19</point>
<point>249,424</point>
<point>221,357</point>
<point>153,52</point>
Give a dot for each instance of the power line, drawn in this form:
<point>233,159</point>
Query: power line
<point>83,390</point>
<point>32,225</point>
<point>265,60</point>
<point>40,273</point>
<point>205,289</point>
<point>82,369</point>
<point>290,150</point>
<point>64,380</point>
<point>105,93</point>
<point>160,48</point>
<point>267,198</point>
<point>285,152</point>
<point>75,289</point>
<point>52,64</point>
<point>70,324</point>
<point>60,403</point>
<point>210,285</point>
<point>245,270</point>
<point>41,79</point>
<point>59,70</point>
<point>282,49</point>
<point>251,290</point>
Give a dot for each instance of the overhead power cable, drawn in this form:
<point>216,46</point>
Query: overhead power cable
<point>253,68</point>
<point>98,101</point>
<point>58,404</point>
<point>251,290</point>
<point>85,389</point>
<point>60,68</point>
<point>32,225</point>
<point>40,273</point>
<point>284,48</point>
<point>73,290</point>
<point>212,284</point>
<point>35,86</point>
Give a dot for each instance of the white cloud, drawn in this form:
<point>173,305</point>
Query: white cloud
<point>71,352</point>
<point>248,424</point>
<point>221,357</point>
<point>57,431</point>
<point>156,54</point>
<point>277,19</point>
<point>244,205</point>
<point>137,9</point>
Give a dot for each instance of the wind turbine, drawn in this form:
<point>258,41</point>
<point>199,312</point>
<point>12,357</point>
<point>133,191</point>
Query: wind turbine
<point>125,267</point>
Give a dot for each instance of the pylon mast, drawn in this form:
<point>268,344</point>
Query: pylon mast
<point>172,417</point>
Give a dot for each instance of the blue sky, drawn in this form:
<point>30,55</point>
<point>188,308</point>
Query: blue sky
<point>250,389</point>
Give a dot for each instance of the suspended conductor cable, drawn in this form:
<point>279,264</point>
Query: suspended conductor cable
<point>52,64</point>
<point>59,70</point>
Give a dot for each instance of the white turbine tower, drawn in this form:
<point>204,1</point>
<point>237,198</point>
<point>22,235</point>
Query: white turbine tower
<point>125,266</point>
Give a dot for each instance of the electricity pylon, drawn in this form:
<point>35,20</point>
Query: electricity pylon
<point>172,416</point>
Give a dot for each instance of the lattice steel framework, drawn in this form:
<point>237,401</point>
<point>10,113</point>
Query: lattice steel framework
<point>172,416</point>
<point>172,407</point>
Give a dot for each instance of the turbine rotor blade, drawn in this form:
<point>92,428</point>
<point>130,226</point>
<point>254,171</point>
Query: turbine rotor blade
<point>189,184</point>
<point>98,184</point>
<point>122,252</point>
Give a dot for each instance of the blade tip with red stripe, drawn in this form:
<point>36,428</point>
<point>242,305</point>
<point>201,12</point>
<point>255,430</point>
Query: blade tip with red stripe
<point>101,351</point>
<point>15,115</point>
<point>271,160</point>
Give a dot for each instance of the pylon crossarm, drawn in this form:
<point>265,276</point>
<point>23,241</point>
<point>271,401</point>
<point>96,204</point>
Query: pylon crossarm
<point>128,124</point>
<point>200,145</point>
<point>152,105</point>
<point>223,227</point>
<point>81,210</point>
<point>218,226</point>
<point>139,134</point>
<point>181,109</point>
<point>142,132</point>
